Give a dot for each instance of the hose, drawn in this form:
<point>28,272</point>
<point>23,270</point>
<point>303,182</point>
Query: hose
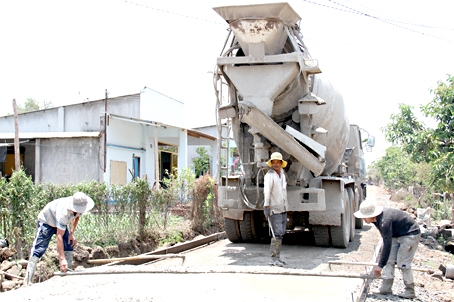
<point>243,196</point>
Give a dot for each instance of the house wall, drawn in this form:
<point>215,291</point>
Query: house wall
<point>129,134</point>
<point>68,160</point>
<point>170,136</point>
<point>72,118</point>
<point>158,107</point>
<point>36,121</point>
<point>140,140</point>
<point>124,141</point>
<point>29,159</point>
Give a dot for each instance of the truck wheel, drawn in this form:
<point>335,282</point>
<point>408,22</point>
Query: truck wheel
<point>247,227</point>
<point>321,235</point>
<point>232,230</point>
<point>358,200</point>
<point>351,202</point>
<point>340,235</point>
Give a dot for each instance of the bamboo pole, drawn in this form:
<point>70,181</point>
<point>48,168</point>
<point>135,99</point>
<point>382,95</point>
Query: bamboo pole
<point>145,257</point>
<point>372,264</point>
<point>11,275</point>
<point>16,138</point>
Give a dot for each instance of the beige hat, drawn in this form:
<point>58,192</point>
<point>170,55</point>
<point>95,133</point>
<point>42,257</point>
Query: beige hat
<point>81,203</point>
<point>368,210</point>
<point>277,156</point>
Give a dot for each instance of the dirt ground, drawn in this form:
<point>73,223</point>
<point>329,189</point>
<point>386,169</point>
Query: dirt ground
<point>430,287</point>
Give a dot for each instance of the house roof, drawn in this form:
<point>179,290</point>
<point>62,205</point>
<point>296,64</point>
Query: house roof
<point>198,134</point>
<point>29,135</point>
<point>191,132</point>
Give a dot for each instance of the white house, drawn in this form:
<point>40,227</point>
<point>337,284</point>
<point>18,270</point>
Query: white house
<point>110,140</point>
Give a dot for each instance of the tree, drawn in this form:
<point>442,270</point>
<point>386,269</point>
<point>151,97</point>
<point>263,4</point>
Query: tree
<point>396,168</point>
<point>33,105</point>
<point>373,174</point>
<point>441,108</point>
<point>425,145</point>
<point>201,163</point>
<point>409,133</point>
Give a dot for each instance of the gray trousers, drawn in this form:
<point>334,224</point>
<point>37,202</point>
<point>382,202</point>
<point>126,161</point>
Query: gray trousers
<point>278,223</point>
<point>403,250</point>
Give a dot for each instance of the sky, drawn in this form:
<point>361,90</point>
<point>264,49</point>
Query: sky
<point>377,53</point>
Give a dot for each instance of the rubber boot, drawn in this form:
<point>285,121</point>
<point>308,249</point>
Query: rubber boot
<point>278,251</point>
<point>31,269</point>
<point>69,256</point>
<point>274,253</point>
<point>407,275</point>
<point>385,288</point>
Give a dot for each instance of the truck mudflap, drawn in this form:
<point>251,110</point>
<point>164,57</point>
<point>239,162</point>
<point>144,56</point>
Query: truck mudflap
<point>235,214</point>
<point>334,189</point>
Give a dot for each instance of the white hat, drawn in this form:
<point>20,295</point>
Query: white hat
<point>368,210</point>
<point>81,203</point>
<point>277,156</point>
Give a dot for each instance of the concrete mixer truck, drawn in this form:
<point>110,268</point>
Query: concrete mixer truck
<point>271,97</point>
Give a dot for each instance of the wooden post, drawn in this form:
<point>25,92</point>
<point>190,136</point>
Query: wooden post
<point>16,138</point>
<point>452,207</point>
<point>105,130</point>
<point>156,159</point>
<point>1,282</point>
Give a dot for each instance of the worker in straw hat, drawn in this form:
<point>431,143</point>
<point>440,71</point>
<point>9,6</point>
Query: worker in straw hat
<point>400,235</point>
<point>276,205</point>
<point>54,218</point>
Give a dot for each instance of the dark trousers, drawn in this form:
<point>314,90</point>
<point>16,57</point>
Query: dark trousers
<point>44,233</point>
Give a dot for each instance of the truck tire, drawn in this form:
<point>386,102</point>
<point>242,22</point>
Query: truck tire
<point>351,202</point>
<point>359,197</point>
<point>321,235</point>
<point>232,230</point>
<point>340,235</point>
<point>247,227</point>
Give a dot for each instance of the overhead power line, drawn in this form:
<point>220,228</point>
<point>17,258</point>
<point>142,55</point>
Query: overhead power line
<point>388,21</point>
<point>171,13</point>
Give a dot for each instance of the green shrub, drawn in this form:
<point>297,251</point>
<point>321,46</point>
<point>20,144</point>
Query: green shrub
<point>121,213</point>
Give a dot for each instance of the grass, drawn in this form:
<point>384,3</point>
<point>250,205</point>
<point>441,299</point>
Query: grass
<point>111,229</point>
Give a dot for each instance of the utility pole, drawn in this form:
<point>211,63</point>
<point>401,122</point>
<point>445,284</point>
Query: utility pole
<point>16,138</point>
<point>19,243</point>
<point>105,130</point>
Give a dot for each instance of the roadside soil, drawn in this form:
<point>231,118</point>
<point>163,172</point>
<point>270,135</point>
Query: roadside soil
<point>430,287</point>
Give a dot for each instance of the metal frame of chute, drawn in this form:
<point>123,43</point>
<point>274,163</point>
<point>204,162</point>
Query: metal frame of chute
<point>228,124</point>
<point>291,31</point>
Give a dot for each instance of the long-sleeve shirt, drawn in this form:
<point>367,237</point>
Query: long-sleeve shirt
<point>275,192</point>
<point>394,223</point>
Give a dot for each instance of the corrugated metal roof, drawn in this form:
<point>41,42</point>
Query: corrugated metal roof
<point>12,144</point>
<point>24,135</point>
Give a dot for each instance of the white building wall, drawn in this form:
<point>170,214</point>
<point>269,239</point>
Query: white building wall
<point>155,106</point>
<point>124,141</point>
<point>128,137</point>
<point>183,152</point>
